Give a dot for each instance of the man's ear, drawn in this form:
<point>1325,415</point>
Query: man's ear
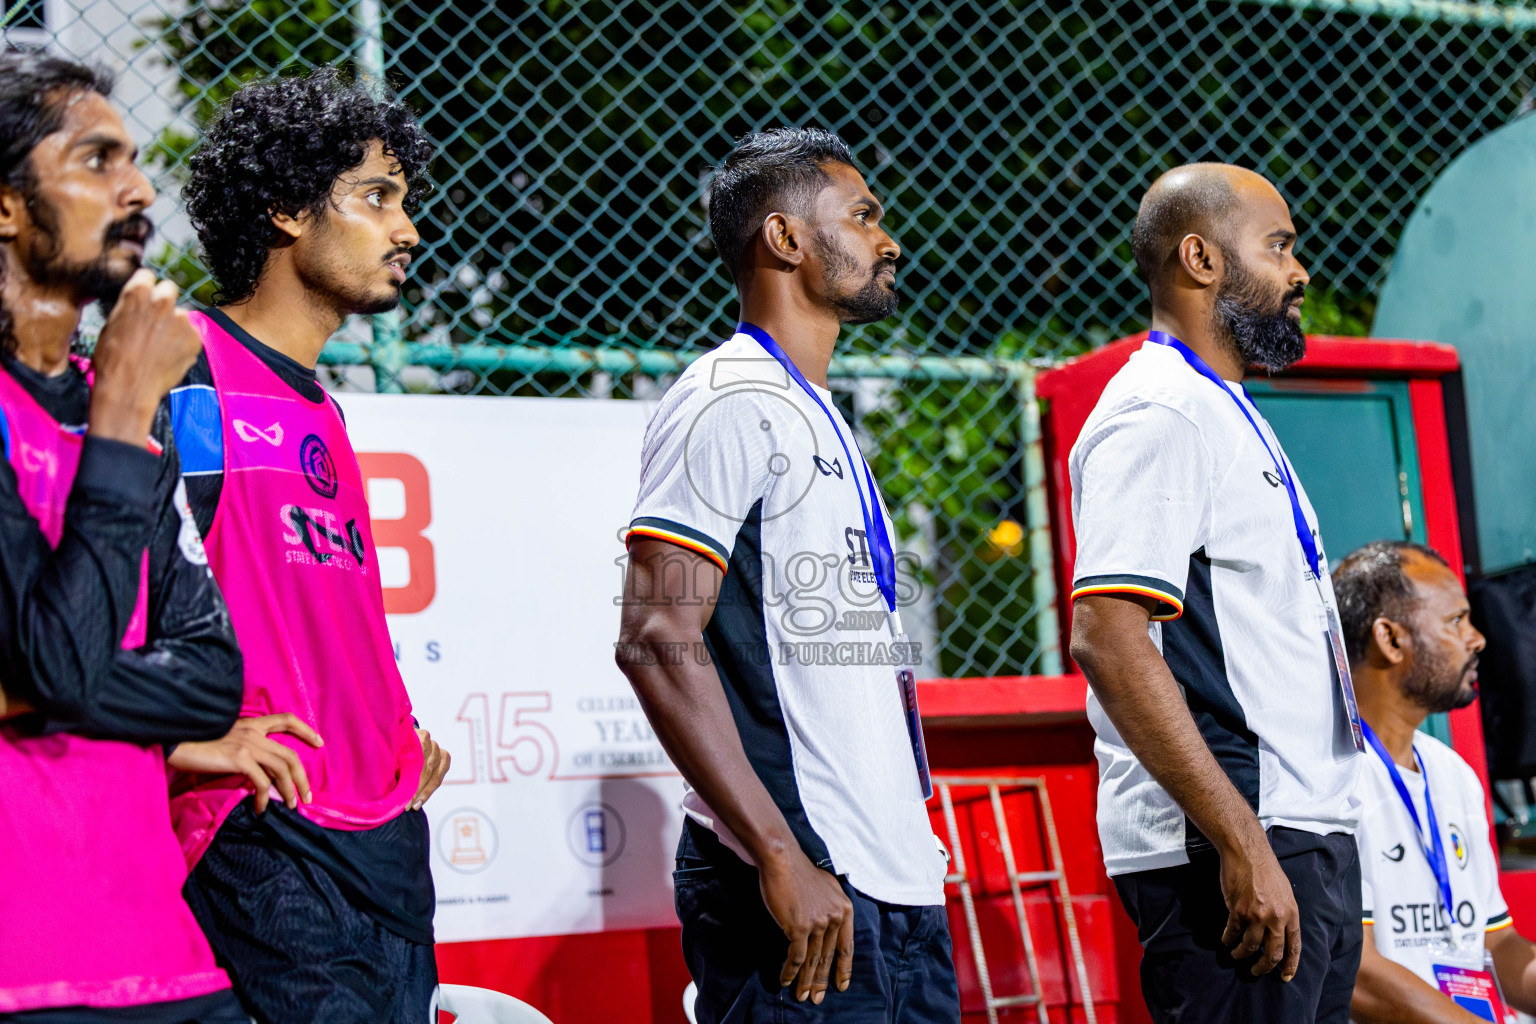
<point>785,238</point>
<point>293,227</point>
<point>1390,641</point>
<point>1199,259</point>
<point>13,214</point>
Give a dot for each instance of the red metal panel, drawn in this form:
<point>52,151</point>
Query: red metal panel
<point>1001,699</point>
<point>599,978</point>
<point>1519,888</point>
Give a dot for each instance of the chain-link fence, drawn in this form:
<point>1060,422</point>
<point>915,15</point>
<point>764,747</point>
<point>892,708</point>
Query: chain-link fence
<point>567,244</point>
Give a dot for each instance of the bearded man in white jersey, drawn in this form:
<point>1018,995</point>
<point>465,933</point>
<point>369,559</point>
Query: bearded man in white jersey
<point>1437,930</point>
<point>1204,619</point>
<point>758,529</point>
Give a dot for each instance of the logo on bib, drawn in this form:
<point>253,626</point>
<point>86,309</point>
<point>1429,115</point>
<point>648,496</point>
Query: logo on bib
<point>250,433</point>
<point>1458,845</point>
<point>38,460</point>
<point>319,470</point>
<point>1395,855</point>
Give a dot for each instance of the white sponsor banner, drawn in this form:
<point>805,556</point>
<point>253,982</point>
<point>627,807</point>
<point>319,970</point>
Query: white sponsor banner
<point>497,524</point>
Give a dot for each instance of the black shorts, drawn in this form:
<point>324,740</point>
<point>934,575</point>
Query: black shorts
<point>902,969</point>
<point>296,948</point>
<point>1187,976</point>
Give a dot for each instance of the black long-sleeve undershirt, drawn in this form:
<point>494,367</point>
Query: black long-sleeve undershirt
<point>63,611</point>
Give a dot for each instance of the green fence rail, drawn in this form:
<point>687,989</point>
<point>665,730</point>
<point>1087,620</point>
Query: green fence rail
<point>567,248</point>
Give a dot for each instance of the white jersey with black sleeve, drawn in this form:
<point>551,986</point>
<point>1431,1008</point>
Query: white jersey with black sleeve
<point>742,466</point>
<point>1174,497</point>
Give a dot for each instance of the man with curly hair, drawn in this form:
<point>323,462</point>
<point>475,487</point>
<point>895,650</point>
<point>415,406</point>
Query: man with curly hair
<point>301,194</point>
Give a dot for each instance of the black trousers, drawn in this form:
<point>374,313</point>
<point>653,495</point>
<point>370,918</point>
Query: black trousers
<point>1187,975</point>
<point>902,969</point>
<point>297,951</point>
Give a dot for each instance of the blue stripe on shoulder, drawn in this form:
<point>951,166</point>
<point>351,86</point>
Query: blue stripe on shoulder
<point>198,428</point>
<point>5,435</point>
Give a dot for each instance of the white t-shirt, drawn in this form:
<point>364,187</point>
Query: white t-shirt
<point>1174,496</point>
<point>1398,891</point>
<point>742,466</point>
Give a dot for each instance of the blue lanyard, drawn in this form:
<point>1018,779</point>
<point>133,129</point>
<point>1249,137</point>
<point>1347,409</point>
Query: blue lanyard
<point>874,523</point>
<point>1303,531</point>
<point>1434,848</point>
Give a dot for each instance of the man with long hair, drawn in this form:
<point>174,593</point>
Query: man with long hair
<point>301,193</point>
<point>114,642</point>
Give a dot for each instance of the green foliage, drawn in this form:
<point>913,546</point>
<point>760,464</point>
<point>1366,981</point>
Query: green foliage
<point>1327,311</point>
<point>1009,139</point>
<point>950,459</point>
<point>218,44</point>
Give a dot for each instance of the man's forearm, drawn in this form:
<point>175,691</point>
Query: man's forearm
<point>1389,993</point>
<point>687,707</point>
<point>1139,694</point>
<point>1514,958</point>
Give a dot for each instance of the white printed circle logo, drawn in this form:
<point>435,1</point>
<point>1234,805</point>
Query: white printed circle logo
<point>466,840</point>
<point>1458,845</point>
<point>596,835</point>
<point>778,438</point>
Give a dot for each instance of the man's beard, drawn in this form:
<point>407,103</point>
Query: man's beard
<point>101,278</point>
<point>1434,683</point>
<point>872,302</point>
<point>1258,326</point>
<point>334,273</point>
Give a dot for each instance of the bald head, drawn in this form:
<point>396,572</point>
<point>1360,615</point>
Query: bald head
<point>1199,199</point>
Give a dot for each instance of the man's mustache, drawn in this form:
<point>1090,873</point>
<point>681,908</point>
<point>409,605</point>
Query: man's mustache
<point>133,228</point>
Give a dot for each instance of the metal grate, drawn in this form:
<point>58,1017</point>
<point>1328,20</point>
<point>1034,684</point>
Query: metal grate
<point>1054,874</point>
<point>568,250</point>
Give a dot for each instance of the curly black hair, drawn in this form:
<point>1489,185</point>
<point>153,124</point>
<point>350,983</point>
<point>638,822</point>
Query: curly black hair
<point>277,146</point>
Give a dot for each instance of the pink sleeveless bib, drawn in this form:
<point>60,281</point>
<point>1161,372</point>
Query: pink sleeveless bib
<point>292,550</point>
<point>90,875</point>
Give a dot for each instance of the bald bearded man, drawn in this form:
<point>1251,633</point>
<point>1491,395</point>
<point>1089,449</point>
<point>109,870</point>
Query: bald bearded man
<point>1203,616</point>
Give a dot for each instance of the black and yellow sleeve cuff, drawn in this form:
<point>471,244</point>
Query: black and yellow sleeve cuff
<point>1170,599</point>
<point>1498,921</point>
<point>682,536</point>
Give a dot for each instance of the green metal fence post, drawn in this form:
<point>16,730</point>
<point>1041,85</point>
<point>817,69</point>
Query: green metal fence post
<point>1042,560</point>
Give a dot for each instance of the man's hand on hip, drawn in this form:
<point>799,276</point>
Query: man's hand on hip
<point>246,750</point>
<point>434,766</point>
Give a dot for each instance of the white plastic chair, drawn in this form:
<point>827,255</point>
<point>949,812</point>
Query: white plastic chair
<point>690,996</point>
<point>471,1005</point>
